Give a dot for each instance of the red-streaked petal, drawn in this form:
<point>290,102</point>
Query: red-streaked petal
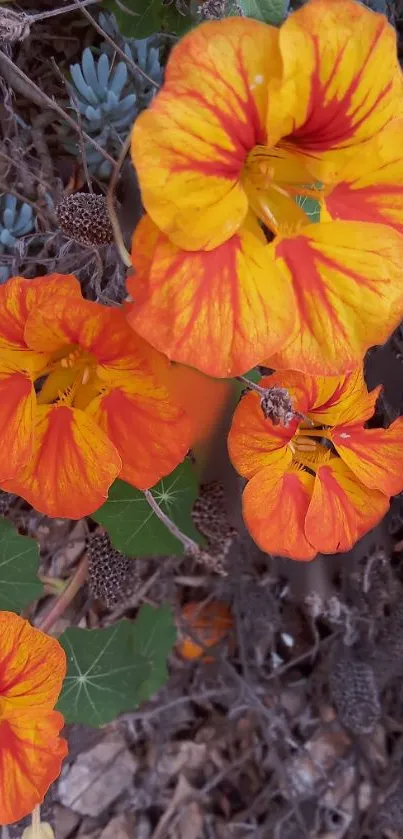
<point>341,81</point>
<point>342,509</point>
<point>274,505</point>
<point>348,284</point>
<point>32,666</point>
<point>219,311</point>
<point>31,754</point>
<point>341,399</point>
<point>370,187</point>
<point>151,434</point>
<point>375,455</point>
<point>19,296</point>
<point>190,145</point>
<point>18,404</point>
<point>253,441</point>
<point>72,466</point>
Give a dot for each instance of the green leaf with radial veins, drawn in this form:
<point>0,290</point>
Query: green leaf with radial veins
<point>144,17</point>
<point>133,527</point>
<point>19,564</point>
<point>112,670</point>
<point>270,11</point>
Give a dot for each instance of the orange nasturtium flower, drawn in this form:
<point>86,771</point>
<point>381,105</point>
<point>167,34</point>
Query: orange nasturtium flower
<point>321,483</point>
<point>81,400</point>
<point>32,669</point>
<point>248,117</point>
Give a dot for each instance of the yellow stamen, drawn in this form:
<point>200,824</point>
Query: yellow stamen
<point>86,375</point>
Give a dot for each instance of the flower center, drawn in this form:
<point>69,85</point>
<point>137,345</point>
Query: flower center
<point>70,378</point>
<point>310,449</point>
<point>272,180</point>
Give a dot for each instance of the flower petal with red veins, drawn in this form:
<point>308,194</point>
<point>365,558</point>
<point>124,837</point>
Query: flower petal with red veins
<point>342,399</point>
<point>190,145</point>
<point>370,187</point>
<point>221,311</point>
<point>19,296</point>
<point>32,666</point>
<point>341,81</point>
<point>151,434</point>
<point>253,441</point>
<point>274,505</point>
<point>31,754</point>
<point>348,285</point>
<point>72,466</point>
<point>342,509</point>
<point>17,415</point>
<point>99,330</point>
<point>375,455</point>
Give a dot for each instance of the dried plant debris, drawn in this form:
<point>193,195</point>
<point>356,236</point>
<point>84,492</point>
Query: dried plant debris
<point>112,577</point>
<point>354,690</point>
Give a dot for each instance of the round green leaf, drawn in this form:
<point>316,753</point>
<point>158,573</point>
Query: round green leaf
<point>114,669</point>
<point>19,564</point>
<point>270,11</point>
<point>133,527</point>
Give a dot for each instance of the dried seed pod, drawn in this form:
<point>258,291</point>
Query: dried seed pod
<point>112,576</point>
<point>354,691</point>
<point>14,26</point>
<point>85,218</point>
<point>276,405</point>
<point>210,517</point>
<point>210,623</point>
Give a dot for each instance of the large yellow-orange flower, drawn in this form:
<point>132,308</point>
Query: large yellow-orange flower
<point>82,400</point>
<point>319,484</point>
<point>32,668</point>
<point>248,117</point>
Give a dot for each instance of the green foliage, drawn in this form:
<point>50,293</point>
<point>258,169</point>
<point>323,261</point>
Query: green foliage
<point>19,563</point>
<point>112,670</point>
<point>144,17</point>
<point>270,11</point>
<point>133,527</point>
<point>310,207</point>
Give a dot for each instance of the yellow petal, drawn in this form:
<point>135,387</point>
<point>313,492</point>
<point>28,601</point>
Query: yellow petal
<point>190,145</point>
<point>341,83</point>
<point>348,284</point>
<point>219,311</point>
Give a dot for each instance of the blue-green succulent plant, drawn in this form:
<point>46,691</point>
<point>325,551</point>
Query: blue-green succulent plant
<point>106,104</point>
<point>16,220</point>
<point>108,97</point>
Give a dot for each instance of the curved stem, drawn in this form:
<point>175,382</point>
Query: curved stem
<point>63,601</point>
<point>189,545</point>
<point>121,247</point>
<point>53,12</point>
